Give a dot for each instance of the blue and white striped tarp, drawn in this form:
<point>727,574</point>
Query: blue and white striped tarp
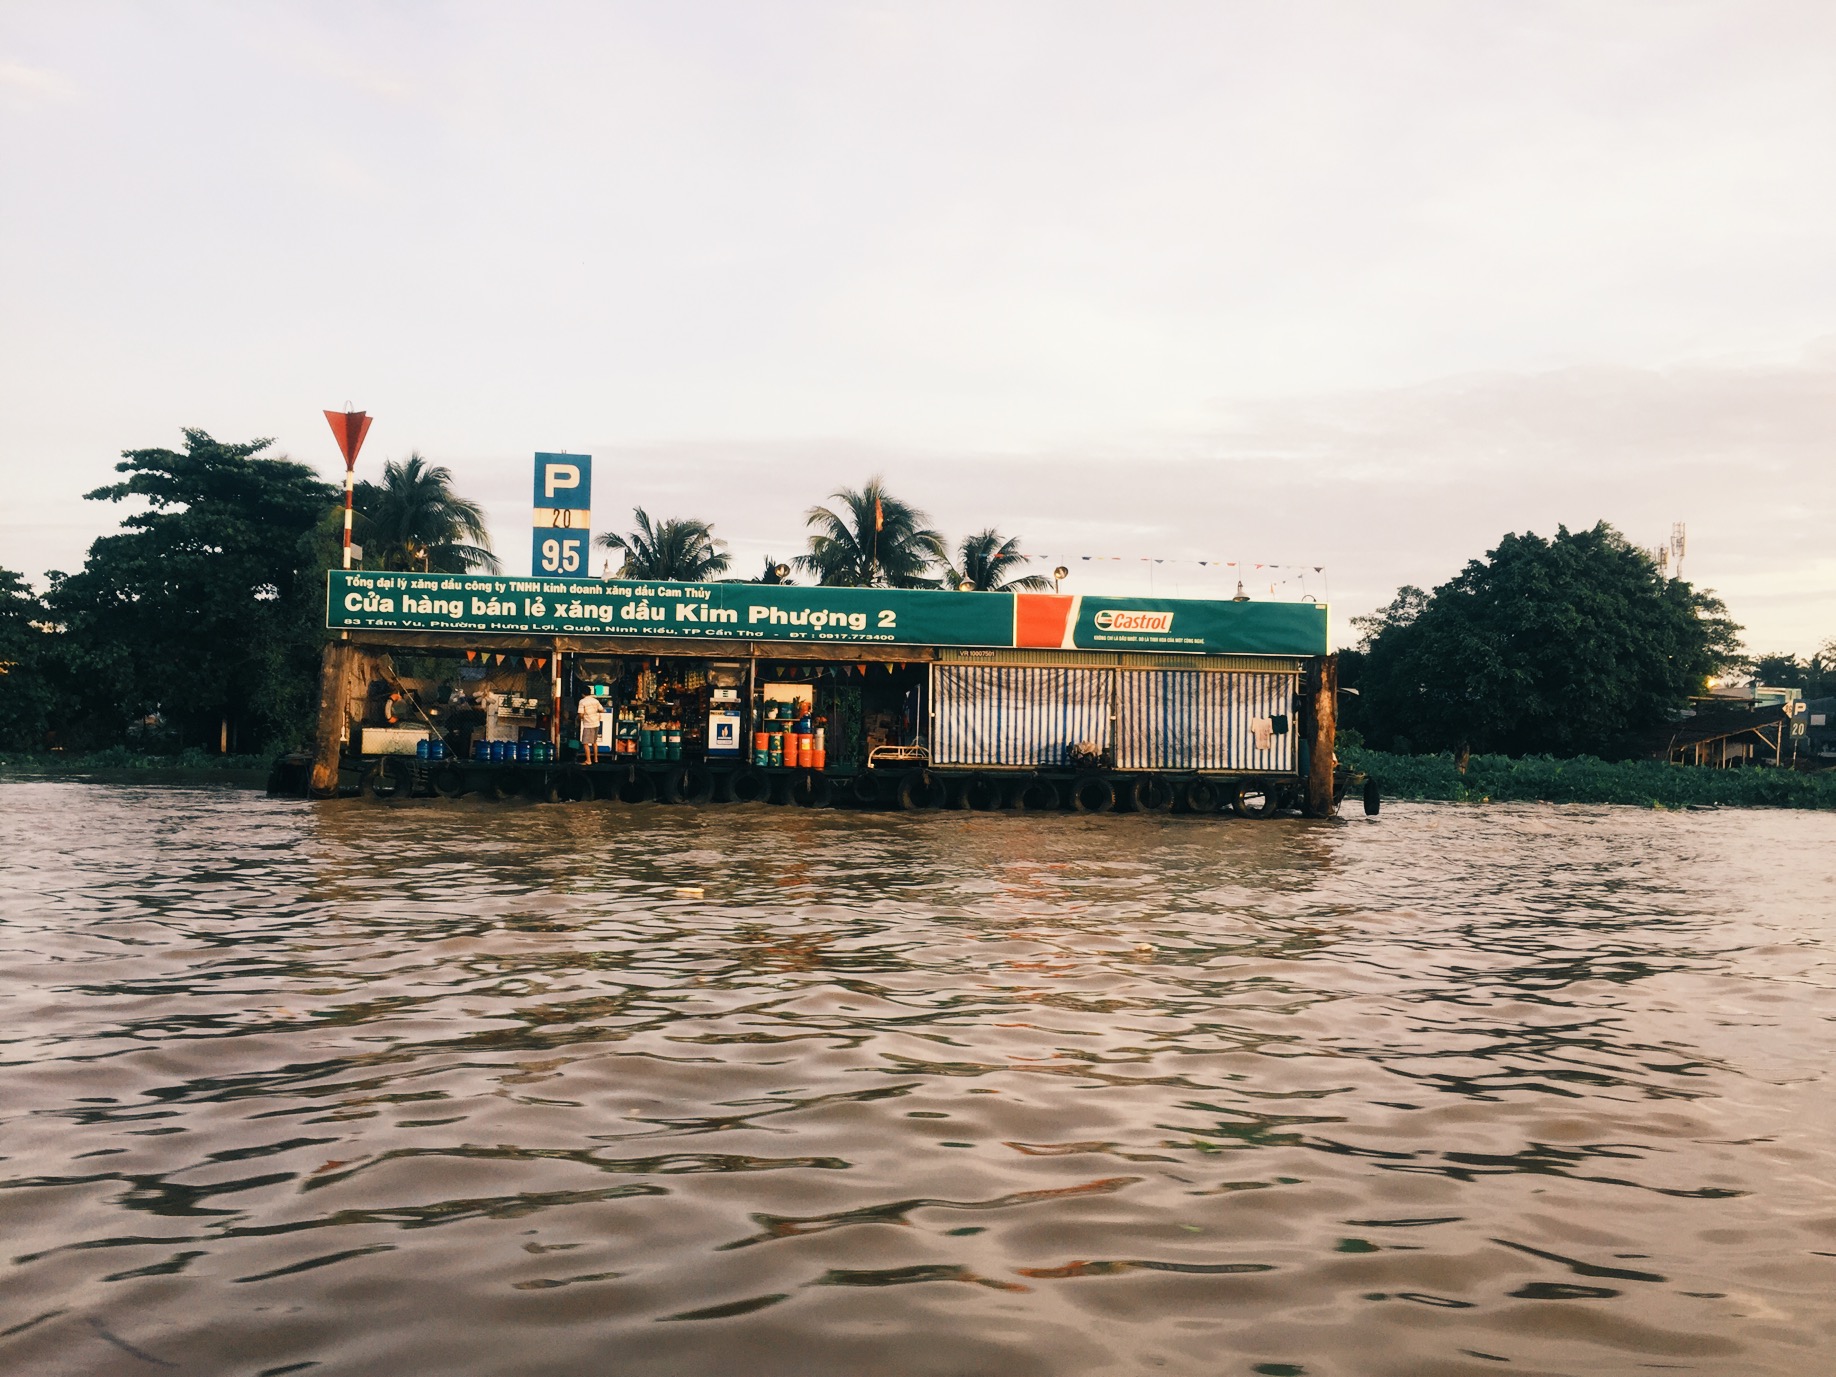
<point>1018,714</point>
<point>1170,719</point>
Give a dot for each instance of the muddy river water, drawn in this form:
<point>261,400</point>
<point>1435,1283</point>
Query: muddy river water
<point>463,1089</point>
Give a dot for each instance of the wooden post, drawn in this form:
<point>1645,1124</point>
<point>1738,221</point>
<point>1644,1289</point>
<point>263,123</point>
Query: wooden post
<point>1321,759</point>
<point>334,683</point>
<point>554,693</point>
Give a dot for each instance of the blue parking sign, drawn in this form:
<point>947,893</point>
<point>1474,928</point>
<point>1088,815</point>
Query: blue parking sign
<point>563,515</point>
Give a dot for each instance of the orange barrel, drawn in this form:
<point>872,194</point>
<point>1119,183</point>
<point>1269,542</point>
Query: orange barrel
<point>806,753</point>
<point>819,759</point>
<point>761,741</point>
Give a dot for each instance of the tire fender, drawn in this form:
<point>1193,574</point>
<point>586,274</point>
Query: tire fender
<point>749,785</point>
<point>1151,794</point>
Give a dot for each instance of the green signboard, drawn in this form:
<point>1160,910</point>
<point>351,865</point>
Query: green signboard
<point>766,612</point>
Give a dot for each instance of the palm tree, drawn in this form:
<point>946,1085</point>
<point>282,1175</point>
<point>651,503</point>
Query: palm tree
<point>983,562</point>
<point>680,550</point>
<point>414,520</point>
<point>873,541</point>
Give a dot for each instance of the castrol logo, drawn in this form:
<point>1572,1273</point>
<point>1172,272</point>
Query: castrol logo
<point>1153,622</point>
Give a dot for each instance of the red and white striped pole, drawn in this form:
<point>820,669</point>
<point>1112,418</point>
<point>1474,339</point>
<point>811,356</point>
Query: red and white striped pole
<point>349,428</point>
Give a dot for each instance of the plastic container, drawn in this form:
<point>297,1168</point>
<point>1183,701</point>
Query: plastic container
<point>761,741</point>
<point>819,759</point>
<point>806,754</point>
<point>762,757</point>
<point>436,750</point>
<point>524,752</point>
<point>420,749</point>
<point>481,750</point>
<point>496,749</point>
<point>673,741</point>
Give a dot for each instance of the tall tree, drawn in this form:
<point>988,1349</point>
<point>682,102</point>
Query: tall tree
<point>679,550</point>
<point>26,646</point>
<point>414,520</point>
<point>984,563</point>
<point>208,607</point>
<point>871,539</point>
<point>1565,646</point>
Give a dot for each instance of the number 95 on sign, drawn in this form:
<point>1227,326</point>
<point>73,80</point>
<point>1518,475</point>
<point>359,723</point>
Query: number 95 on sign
<point>559,552</point>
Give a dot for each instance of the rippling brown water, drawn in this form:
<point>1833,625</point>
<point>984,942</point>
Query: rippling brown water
<point>464,1090</point>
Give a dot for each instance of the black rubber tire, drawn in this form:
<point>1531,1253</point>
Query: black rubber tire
<point>388,779</point>
<point>920,790</point>
<point>692,784</point>
<point>1036,795</point>
<point>605,783</point>
<point>982,794</point>
<point>573,785</point>
<point>508,782</point>
<point>864,789</point>
<point>1092,794</point>
<point>1202,796</point>
<point>813,791</point>
<point>1373,800</point>
<point>1151,793</point>
<point>749,784</point>
<point>1254,801</point>
<point>637,787</point>
<point>449,779</point>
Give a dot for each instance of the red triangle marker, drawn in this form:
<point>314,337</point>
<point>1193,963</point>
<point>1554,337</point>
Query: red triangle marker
<point>349,428</point>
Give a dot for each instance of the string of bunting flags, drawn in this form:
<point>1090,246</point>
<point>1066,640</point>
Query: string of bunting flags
<point>1249,570</point>
<point>487,657</point>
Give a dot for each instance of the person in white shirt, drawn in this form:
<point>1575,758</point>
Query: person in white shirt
<point>590,710</point>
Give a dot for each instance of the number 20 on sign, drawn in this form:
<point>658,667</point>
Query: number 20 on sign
<point>563,513</point>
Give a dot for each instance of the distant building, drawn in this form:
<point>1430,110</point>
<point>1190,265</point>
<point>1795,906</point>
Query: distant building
<point>1818,743</point>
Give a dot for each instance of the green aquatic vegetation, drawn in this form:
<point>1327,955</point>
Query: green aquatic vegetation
<point>1586,779</point>
<point>116,759</point>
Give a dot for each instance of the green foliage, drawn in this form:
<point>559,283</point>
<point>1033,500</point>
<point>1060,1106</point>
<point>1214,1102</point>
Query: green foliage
<point>679,550</point>
<point>208,605</point>
<point>1816,677</point>
<point>1586,779</point>
<point>1565,646</point>
<point>123,759</point>
<point>414,520</point>
<point>26,665</point>
<point>871,540</point>
<point>985,560</point>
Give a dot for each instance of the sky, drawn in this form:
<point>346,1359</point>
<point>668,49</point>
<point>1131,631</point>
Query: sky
<point>1351,288</point>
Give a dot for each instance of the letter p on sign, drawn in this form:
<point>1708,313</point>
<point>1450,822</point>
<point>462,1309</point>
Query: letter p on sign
<point>564,481</point>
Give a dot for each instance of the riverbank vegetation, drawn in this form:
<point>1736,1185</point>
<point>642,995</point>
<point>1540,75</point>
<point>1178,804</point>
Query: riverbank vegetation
<point>1575,645</point>
<point>190,765</point>
<point>199,623</point>
<point>1587,779</point>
